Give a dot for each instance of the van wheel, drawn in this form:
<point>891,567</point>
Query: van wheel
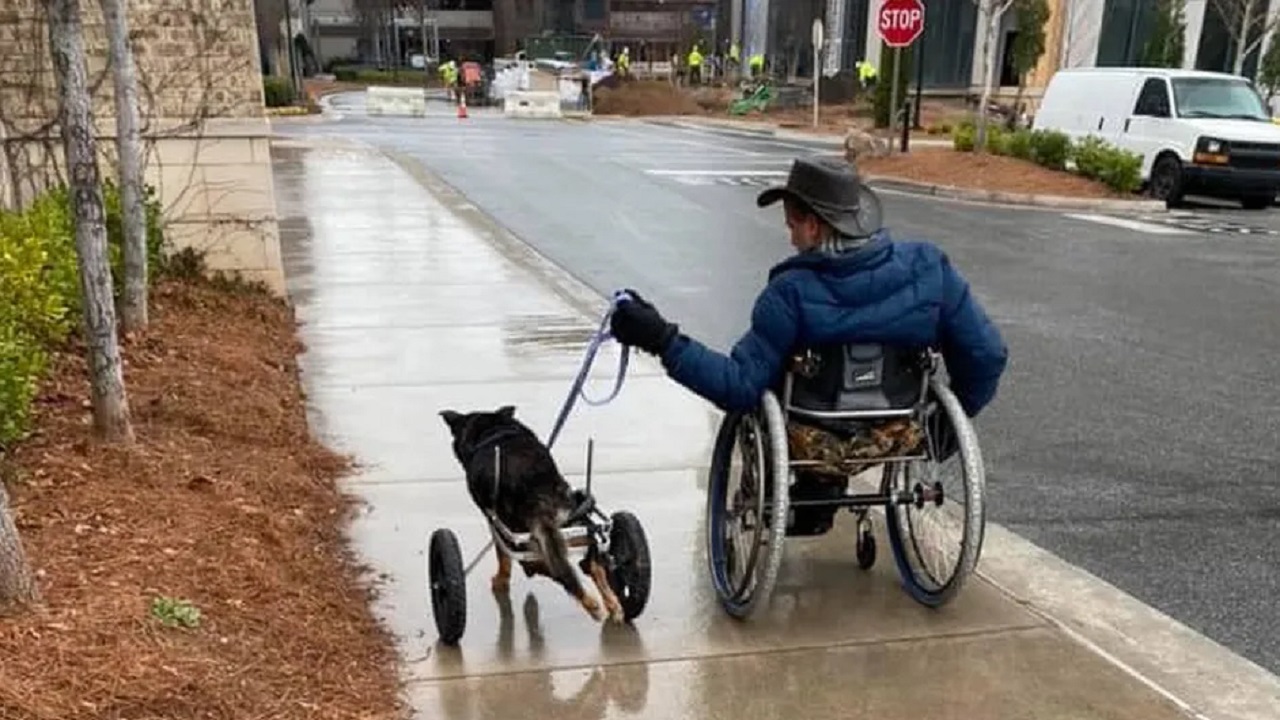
<point>1166,180</point>
<point>1257,202</point>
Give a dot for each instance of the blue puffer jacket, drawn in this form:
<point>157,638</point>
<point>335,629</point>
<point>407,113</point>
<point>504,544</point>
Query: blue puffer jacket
<point>895,293</point>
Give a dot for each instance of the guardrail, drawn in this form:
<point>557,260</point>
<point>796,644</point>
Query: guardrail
<point>532,104</point>
<point>401,101</point>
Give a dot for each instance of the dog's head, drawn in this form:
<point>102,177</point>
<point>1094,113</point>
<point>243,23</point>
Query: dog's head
<point>472,427</point>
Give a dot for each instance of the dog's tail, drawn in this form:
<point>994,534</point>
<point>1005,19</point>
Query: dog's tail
<point>555,552</point>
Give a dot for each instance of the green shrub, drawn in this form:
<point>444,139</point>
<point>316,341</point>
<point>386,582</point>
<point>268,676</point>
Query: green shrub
<point>882,95</point>
<point>112,204</point>
<point>963,136</point>
<point>277,91</point>
<point>1020,145</point>
<point>40,284</point>
<point>1051,148</point>
<point>997,140</point>
<point>1118,169</point>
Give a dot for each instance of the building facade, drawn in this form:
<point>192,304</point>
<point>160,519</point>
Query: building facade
<point>1080,33</point>
<point>206,139</point>
<point>483,29</point>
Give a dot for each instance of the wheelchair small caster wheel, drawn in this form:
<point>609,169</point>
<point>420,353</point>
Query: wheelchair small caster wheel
<point>448,581</point>
<point>631,572</point>
<point>866,549</point>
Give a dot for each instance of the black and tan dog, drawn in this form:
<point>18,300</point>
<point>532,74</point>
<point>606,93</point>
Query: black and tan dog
<point>532,497</point>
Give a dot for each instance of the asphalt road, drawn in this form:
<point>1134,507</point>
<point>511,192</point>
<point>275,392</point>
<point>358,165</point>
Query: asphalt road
<point>1135,433</point>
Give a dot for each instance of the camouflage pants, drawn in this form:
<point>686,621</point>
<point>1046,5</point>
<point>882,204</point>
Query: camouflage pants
<point>838,457</point>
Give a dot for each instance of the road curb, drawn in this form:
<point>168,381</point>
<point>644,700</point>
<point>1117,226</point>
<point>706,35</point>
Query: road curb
<point>889,182</point>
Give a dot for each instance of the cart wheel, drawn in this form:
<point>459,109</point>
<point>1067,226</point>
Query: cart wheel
<point>866,549</point>
<point>448,583</point>
<point>631,575</point>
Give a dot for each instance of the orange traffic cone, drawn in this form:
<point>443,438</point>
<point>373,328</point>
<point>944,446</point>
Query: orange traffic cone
<point>462,107</point>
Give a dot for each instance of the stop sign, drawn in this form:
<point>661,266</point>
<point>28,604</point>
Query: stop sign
<point>900,22</point>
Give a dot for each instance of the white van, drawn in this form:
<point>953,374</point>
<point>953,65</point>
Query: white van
<point>1198,132</point>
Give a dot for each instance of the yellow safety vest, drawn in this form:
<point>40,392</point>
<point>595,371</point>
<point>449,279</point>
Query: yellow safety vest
<point>733,52</point>
<point>757,61</point>
<point>695,58</point>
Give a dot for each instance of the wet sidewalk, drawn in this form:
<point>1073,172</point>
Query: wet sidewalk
<point>410,303</point>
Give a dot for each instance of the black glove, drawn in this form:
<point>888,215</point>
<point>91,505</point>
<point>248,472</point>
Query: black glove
<point>637,322</point>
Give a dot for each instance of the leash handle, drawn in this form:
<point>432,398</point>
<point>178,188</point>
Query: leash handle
<point>593,347</point>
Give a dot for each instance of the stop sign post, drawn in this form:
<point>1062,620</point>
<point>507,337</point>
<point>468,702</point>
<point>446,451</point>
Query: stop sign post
<point>899,24</point>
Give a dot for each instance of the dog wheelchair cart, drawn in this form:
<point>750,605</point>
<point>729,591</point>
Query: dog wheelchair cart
<point>844,411</point>
<point>616,541</point>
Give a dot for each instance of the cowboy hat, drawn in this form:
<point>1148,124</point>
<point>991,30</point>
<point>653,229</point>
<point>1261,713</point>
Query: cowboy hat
<point>830,188</point>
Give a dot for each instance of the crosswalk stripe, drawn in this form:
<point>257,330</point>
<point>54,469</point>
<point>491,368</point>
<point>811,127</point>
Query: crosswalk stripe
<point>1150,228</point>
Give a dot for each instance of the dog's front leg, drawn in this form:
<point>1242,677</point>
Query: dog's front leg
<point>502,579</point>
<point>600,576</point>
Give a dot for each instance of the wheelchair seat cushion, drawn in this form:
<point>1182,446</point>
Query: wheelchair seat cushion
<point>843,455</point>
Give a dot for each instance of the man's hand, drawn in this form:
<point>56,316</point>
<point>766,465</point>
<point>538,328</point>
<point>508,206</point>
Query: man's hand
<point>637,322</point>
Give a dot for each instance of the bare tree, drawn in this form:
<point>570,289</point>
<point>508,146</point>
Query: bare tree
<point>1248,23</point>
<point>993,13</point>
<point>17,584</point>
<point>376,19</point>
<point>133,305</point>
<point>106,375</point>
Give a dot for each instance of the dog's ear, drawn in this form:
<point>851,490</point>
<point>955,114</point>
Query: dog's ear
<point>507,411</point>
<point>453,419</point>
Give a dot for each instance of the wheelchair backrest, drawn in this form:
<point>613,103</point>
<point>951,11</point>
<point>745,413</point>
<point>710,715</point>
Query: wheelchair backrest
<point>858,377</point>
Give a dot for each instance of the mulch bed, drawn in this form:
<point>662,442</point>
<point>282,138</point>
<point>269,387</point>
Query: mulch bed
<point>940,166</point>
<point>225,501</point>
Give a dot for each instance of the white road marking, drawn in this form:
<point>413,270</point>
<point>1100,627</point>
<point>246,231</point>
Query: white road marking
<point>1136,225</point>
<point>758,173</point>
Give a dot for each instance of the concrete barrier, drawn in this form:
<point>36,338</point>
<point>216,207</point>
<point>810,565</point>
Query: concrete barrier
<point>407,101</point>
<point>540,104</point>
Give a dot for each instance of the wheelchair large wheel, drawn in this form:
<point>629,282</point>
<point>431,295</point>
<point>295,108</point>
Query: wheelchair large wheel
<point>448,581</point>
<point>937,539</point>
<point>747,504</point>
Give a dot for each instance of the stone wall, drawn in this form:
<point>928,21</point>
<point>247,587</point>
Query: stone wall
<point>205,133</point>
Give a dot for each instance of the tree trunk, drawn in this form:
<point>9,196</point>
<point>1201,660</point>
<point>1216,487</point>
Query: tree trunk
<point>133,305</point>
<point>988,72</point>
<point>106,376</point>
<point>1242,38</point>
<point>17,584</point>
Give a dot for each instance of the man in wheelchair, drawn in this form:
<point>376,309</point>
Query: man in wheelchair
<point>849,295</point>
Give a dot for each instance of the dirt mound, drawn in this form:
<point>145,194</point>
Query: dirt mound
<point>645,97</point>
<point>226,502</point>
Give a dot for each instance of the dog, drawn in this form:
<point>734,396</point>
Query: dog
<point>532,497</point>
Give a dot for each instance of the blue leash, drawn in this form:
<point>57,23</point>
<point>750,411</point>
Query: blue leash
<point>597,339</point>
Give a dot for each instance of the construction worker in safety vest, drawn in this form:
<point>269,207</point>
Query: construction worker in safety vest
<point>695,66</point>
<point>449,77</point>
<point>756,62</point>
<point>866,74</point>
<point>624,62</point>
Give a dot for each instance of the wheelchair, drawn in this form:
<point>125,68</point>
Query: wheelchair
<point>784,469</point>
